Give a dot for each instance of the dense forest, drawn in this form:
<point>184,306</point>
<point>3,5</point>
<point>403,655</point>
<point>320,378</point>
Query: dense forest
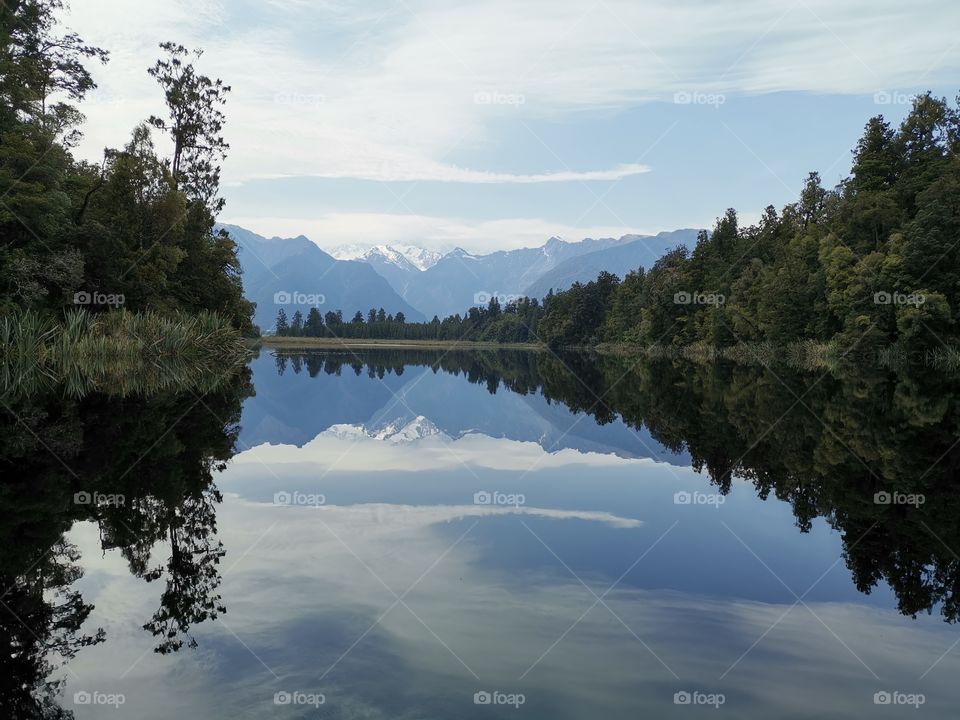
<point>514,322</point>
<point>869,263</point>
<point>136,229</point>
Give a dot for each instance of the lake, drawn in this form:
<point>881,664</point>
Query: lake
<point>475,534</point>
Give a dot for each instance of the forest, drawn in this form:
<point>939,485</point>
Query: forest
<point>871,263</point>
<point>513,322</point>
<point>136,229</point>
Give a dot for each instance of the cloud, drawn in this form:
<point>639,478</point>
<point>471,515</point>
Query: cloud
<point>330,230</point>
<point>389,518</point>
<point>349,448</point>
<point>400,91</point>
<point>451,173</point>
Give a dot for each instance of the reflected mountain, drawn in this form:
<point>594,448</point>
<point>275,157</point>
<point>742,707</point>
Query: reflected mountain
<point>333,387</point>
<point>873,451</point>
<point>865,454</point>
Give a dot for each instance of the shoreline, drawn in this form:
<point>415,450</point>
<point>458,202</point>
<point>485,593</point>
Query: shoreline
<point>297,343</point>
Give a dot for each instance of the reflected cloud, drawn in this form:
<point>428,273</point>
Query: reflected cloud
<point>389,518</point>
<point>313,608</point>
<point>419,445</point>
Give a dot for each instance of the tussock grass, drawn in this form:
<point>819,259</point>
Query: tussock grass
<point>117,352</point>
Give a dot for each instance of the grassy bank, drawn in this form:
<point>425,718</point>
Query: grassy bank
<point>806,355</point>
<point>116,352</point>
<point>298,343</point>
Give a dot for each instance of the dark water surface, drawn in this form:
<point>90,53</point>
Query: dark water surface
<point>406,534</point>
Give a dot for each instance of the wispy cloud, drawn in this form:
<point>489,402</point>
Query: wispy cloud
<point>398,91</point>
<point>330,230</point>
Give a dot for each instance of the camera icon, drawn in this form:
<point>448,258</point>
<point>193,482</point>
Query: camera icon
<point>282,498</point>
<point>882,698</point>
<point>81,298</point>
<point>482,298</point>
<point>682,698</point>
<point>882,298</point>
<point>682,98</point>
<point>682,298</point>
<point>82,498</point>
<point>282,298</point>
<point>282,698</point>
<point>882,498</point>
<point>482,498</point>
<point>482,97</point>
<point>882,97</point>
<point>682,498</point>
<point>82,698</point>
<point>482,698</point>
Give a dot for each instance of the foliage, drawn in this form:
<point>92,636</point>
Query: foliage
<point>872,262</point>
<point>515,322</point>
<point>137,225</point>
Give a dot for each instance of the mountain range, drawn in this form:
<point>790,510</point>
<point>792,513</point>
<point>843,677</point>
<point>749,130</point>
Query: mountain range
<point>295,273</point>
<point>295,408</point>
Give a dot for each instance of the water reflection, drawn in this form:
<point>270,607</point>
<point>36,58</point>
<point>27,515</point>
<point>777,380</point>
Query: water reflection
<point>871,450</point>
<point>594,534</point>
<point>140,470</point>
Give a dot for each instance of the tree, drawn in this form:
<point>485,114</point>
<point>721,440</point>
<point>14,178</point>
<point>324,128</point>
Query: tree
<point>194,124</point>
<point>313,327</point>
<point>296,324</point>
<point>283,327</point>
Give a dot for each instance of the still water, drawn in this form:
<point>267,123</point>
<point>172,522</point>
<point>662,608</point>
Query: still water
<point>421,534</point>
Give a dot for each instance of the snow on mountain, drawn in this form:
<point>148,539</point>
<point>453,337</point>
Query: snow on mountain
<point>400,431</point>
<point>419,257</point>
<point>401,255</point>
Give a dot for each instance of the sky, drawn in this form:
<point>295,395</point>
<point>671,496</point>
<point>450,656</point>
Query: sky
<point>496,124</point>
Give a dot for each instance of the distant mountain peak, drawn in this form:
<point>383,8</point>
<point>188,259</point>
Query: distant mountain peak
<point>397,432</point>
<point>404,256</point>
<point>401,431</point>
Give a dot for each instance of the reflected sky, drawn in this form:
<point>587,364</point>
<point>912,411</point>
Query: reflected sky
<point>398,562</point>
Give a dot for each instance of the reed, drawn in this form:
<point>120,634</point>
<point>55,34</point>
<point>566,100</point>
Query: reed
<point>118,352</point>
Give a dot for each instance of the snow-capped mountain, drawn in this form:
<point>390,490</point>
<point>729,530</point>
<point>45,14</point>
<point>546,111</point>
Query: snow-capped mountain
<point>423,283</point>
<point>399,431</point>
<point>279,271</point>
<point>403,431</point>
<point>400,255</point>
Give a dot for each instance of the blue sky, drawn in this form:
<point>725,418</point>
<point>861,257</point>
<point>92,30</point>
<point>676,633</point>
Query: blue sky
<point>497,124</point>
